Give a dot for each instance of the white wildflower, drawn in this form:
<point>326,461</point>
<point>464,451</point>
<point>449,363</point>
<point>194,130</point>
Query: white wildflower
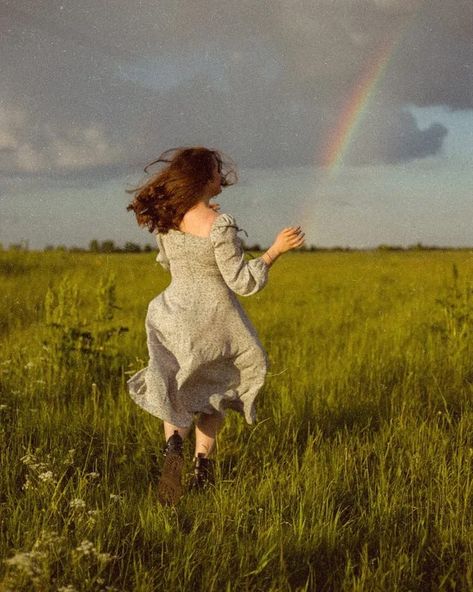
<point>47,477</point>
<point>86,547</point>
<point>92,516</point>
<point>68,588</point>
<point>32,462</point>
<point>77,503</point>
<point>29,365</point>
<point>23,562</point>
<point>93,475</point>
<point>69,459</point>
<point>3,406</point>
<point>104,557</point>
<point>28,459</point>
<point>50,538</point>
<point>27,484</point>
<point>115,497</point>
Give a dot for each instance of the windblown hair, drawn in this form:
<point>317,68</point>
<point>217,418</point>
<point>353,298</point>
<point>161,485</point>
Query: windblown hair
<point>161,202</point>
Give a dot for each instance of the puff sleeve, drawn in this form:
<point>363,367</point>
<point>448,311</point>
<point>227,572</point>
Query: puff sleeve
<point>162,257</point>
<point>241,276</point>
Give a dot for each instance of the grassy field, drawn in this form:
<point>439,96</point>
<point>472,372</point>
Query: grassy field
<point>357,477</point>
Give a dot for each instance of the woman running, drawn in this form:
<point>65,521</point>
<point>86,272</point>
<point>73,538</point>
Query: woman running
<point>205,356</point>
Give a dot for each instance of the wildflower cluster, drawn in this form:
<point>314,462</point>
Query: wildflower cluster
<point>87,549</point>
<point>31,564</point>
<point>77,503</point>
<point>35,565</point>
<point>45,471</point>
<point>39,471</point>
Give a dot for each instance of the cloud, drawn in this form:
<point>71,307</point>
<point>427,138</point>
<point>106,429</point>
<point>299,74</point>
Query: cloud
<point>83,91</point>
<point>401,141</point>
<point>52,146</point>
<point>333,43</point>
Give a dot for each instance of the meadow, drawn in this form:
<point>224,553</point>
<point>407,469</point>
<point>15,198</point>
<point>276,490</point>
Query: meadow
<point>358,475</point>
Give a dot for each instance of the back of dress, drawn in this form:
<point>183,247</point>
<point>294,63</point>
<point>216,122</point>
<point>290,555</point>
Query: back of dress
<point>205,355</point>
<point>192,258</point>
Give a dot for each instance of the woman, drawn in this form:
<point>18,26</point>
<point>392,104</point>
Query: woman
<point>204,354</point>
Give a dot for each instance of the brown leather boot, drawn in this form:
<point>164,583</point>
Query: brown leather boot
<point>204,473</point>
<point>169,485</point>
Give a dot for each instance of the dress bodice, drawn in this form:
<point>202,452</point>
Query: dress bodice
<point>218,258</point>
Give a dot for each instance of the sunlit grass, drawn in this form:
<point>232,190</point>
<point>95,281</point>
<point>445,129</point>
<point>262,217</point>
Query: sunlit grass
<point>357,476</point>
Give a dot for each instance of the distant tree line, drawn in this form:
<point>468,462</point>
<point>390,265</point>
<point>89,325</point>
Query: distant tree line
<point>109,246</point>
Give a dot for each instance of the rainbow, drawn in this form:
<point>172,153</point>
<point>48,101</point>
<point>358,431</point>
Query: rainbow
<point>351,115</point>
<point>352,112</point>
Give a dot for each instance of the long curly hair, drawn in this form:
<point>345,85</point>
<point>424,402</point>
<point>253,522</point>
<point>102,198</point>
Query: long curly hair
<point>161,202</point>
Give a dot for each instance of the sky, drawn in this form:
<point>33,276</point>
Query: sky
<point>353,118</point>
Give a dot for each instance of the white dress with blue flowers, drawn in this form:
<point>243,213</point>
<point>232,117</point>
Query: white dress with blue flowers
<point>204,353</point>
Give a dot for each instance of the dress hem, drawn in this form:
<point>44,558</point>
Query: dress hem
<point>220,403</point>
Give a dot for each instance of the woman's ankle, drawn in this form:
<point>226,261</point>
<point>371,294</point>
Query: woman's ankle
<point>204,448</point>
<point>170,430</point>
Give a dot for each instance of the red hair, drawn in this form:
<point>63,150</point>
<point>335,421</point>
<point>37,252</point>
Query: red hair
<point>161,202</point>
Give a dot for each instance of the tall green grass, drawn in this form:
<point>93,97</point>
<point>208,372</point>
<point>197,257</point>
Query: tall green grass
<point>357,477</point>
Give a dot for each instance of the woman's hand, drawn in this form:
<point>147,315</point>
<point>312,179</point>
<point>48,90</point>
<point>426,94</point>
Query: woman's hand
<point>289,238</point>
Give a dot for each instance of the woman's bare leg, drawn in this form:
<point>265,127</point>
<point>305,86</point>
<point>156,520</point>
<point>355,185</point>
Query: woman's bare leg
<point>169,430</point>
<point>206,429</point>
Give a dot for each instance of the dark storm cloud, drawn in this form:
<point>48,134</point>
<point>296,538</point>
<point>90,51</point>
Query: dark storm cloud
<point>66,106</point>
<point>332,42</point>
<point>433,65</point>
<point>402,139</point>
